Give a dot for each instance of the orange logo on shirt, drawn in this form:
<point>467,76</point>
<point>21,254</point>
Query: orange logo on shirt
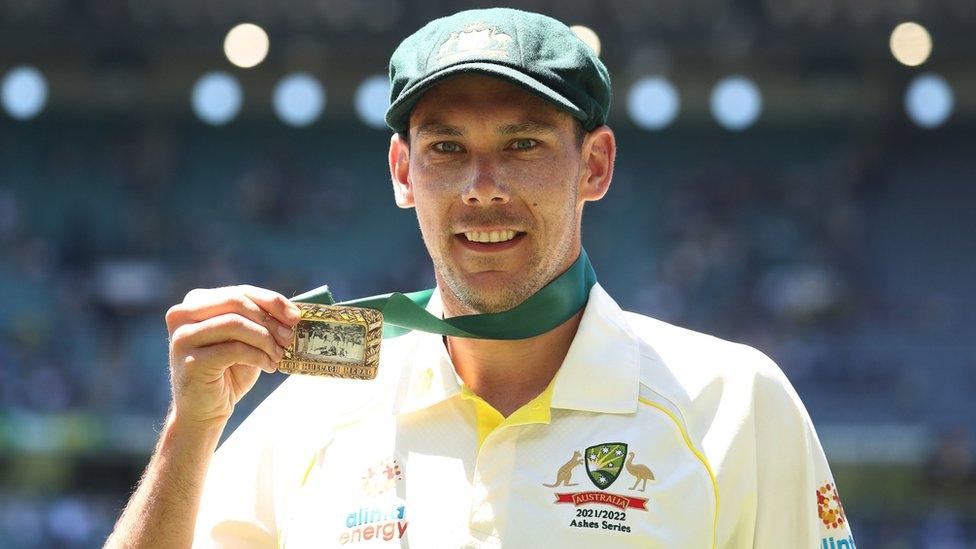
<point>381,477</point>
<point>829,509</point>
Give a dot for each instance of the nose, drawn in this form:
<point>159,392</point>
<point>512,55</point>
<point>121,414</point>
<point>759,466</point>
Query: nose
<point>485,187</point>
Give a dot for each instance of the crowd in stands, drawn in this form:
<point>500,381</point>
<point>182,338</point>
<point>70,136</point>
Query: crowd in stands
<point>100,231</point>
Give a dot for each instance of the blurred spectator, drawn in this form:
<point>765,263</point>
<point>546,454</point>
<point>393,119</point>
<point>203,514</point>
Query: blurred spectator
<point>119,226</point>
<point>952,466</point>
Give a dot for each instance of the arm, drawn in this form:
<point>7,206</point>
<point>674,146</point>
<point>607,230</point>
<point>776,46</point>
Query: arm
<point>220,341</point>
<point>798,502</point>
<point>164,505</point>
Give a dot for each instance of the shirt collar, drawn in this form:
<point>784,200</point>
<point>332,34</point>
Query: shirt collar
<point>601,371</point>
<point>599,374</point>
<point>429,376</point>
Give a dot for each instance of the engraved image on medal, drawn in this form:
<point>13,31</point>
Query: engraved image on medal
<point>335,340</point>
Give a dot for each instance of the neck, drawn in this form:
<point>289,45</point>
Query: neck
<point>509,373</point>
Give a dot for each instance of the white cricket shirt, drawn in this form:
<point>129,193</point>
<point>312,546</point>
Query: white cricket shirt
<point>650,435</point>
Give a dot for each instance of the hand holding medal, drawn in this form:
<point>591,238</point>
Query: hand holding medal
<point>220,339</point>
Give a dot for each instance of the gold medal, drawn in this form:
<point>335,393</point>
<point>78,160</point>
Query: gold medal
<point>336,341</point>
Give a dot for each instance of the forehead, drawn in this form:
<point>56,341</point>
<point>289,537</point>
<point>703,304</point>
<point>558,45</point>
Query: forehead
<point>485,98</point>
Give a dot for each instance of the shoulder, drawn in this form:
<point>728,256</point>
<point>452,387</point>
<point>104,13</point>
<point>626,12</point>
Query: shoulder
<point>700,359</point>
<point>712,381</point>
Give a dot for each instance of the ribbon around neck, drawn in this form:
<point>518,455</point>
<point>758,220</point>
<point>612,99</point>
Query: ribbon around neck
<point>554,304</point>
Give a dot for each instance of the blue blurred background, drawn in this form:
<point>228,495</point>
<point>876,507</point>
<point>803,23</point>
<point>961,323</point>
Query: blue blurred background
<point>797,175</point>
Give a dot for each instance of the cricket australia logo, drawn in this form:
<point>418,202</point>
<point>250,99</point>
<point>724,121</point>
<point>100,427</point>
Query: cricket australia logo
<point>604,463</point>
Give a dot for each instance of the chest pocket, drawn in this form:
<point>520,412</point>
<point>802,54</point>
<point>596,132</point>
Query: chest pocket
<point>595,479</point>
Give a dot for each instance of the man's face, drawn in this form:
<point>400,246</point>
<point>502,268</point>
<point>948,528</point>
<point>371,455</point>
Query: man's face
<point>489,161</point>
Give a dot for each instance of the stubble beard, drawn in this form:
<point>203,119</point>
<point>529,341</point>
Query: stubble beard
<point>500,299</point>
<point>540,270</point>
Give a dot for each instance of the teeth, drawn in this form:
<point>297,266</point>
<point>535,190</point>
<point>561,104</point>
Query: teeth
<point>493,236</point>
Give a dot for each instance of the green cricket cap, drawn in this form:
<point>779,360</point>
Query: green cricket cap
<point>531,50</point>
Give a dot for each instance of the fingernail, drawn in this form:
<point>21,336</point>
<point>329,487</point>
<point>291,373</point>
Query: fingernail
<point>293,312</point>
<point>285,333</point>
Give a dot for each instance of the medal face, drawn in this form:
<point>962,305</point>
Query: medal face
<point>336,341</point>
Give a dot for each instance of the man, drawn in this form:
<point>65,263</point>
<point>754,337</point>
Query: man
<point>602,428</point>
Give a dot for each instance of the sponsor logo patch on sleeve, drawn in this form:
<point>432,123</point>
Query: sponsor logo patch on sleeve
<point>833,522</point>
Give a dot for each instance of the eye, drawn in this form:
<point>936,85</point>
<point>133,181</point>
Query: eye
<point>447,147</point>
<point>525,143</point>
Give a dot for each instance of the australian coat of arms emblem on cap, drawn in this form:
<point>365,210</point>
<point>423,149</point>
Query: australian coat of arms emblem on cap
<point>475,40</point>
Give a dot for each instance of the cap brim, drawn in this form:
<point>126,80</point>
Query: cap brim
<point>398,115</point>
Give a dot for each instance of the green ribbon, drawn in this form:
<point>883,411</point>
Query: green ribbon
<point>544,310</point>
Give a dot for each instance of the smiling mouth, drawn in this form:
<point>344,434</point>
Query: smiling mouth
<point>491,236</point>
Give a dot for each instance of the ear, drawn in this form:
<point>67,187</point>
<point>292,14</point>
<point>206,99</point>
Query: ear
<point>599,152</point>
<point>400,172</point>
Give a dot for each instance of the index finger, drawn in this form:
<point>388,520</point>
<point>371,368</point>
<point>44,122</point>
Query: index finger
<point>274,304</point>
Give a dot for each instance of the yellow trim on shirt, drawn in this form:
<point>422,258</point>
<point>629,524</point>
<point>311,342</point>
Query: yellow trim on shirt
<point>698,454</point>
<point>537,410</point>
<point>308,469</point>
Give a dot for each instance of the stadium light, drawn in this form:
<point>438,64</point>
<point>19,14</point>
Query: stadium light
<point>298,99</point>
<point>246,45</point>
<point>372,100</point>
<point>217,98</point>
<point>736,103</point>
<point>24,92</point>
<point>910,43</point>
<point>929,100</point>
<point>588,36</point>
<point>653,102</point>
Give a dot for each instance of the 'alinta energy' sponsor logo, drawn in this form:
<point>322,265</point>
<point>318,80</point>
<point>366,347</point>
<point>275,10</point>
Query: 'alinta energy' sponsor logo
<point>831,543</point>
<point>604,462</point>
<point>829,508</point>
<point>381,477</point>
<point>368,523</point>
<point>380,521</point>
<point>832,516</point>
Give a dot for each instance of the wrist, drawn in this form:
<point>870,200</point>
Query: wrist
<point>180,424</point>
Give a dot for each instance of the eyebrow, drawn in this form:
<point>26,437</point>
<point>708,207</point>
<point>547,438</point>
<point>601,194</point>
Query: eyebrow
<point>527,127</point>
<point>435,129</point>
<point>441,130</point>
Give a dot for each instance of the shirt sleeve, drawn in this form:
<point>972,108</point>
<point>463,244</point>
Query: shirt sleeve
<point>237,507</point>
<point>798,501</point>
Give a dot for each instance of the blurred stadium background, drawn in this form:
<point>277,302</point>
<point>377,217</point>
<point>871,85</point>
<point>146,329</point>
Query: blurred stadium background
<point>793,174</point>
